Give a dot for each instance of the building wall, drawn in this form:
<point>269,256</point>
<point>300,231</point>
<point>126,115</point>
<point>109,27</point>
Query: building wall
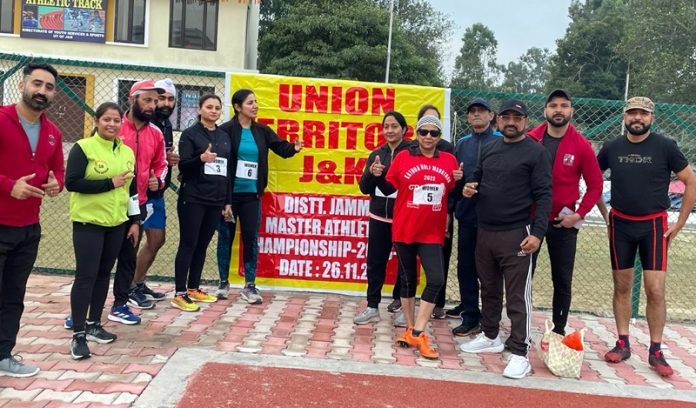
<point>230,53</point>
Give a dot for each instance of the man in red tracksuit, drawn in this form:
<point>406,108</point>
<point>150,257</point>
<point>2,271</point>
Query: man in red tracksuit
<point>571,157</point>
<point>31,167</point>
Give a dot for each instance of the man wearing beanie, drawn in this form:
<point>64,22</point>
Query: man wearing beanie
<point>571,157</point>
<point>156,217</point>
<point>512,186</point>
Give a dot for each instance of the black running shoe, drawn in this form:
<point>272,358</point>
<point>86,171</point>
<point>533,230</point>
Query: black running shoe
<point>95,332</point>
<point>78,346</point>
<point>455,312</point>
<point>659,364</point>
<point>394,306</point>
<point>151,294</point>
<point>619,353</point>
<point>467,329</point>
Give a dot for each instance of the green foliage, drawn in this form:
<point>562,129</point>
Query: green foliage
<point>345,39</point>
<point>530,74</point>
<point>586,62</point>
<point>476,65</point>
<point>660,46</point>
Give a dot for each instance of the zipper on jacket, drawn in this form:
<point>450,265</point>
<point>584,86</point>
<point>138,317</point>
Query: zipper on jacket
<point>386,199</point>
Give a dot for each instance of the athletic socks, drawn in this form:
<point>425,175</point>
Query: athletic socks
<point>624,339</point>
<point>416,333</point>
<point>654,347</point>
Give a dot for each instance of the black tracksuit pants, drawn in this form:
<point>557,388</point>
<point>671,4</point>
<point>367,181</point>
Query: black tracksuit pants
<point>446,255</point>
<point>379,246</point>
<point>96,249</point>
<point>561,244</point>
<point>197,223</point>
<point>500,264</point>
<point>125,268</point>
<point>467,275</point>
<point>18,249</point>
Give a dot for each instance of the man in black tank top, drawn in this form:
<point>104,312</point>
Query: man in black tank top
<point>641,164</point>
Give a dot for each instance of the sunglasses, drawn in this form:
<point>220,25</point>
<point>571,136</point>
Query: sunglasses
<point>426,132</point>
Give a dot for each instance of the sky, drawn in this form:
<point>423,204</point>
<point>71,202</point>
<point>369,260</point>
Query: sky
<point>517,25</point>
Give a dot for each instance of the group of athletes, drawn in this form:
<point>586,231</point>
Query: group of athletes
<point>508,189</point>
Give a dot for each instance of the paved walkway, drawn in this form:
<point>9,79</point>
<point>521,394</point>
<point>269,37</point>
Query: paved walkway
<point>302,331</point>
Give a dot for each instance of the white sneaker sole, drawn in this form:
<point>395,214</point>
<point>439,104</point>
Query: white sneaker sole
<point>527,372</point>
<point>368,321</point>
<point>98,340</point>
<point>251,301</point>
<point>18,375</point>
<point>121,320</point>
<point>134,304</point>
<point>74,357</point>
<point>492,349</point>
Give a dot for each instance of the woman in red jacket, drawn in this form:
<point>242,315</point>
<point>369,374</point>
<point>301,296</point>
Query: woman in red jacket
<point>422,176</point>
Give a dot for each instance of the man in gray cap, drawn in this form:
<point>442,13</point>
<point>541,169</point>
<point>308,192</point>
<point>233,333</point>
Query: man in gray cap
<point>512,184</point>
<point>642,163</point>
<point>479,114</point>
<point>156,218</point>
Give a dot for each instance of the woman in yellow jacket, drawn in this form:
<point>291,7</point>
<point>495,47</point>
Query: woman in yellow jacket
<point>98,176</point>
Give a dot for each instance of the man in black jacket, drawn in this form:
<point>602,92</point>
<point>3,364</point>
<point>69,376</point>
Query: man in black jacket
<point>512,184</point>
<point>156,217</point>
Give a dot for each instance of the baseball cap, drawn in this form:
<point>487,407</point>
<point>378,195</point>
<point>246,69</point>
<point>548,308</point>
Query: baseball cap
<point>559,93</point>
<point>144,86</point>
<point>429,120</point>
<point>479,102</point>
<point>167,84</point>
<point>513,105</point>
<point>640,102</point>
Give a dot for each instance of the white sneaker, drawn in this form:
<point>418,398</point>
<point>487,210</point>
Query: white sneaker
<point>400,320</point>
<point>369,315</point>
<point>482,344</point>
<point>518,367</point>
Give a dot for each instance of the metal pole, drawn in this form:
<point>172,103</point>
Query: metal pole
<point>391,21</point>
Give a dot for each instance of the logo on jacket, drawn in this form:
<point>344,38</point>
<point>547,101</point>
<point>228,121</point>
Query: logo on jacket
<point>568,159</point>
<point>101,167</point>
<point>51,139</point>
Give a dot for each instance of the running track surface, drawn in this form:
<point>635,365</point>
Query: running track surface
<point>228,385</point>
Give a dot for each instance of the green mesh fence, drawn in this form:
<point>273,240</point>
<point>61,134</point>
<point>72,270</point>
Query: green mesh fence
<point>83,85</point>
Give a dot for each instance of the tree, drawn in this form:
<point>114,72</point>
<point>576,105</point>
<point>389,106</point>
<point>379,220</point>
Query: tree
<point>344,39</point>
<point>660,47</point>
<point>586,62</point>
<point>530,74</point>
<point>476,65</point>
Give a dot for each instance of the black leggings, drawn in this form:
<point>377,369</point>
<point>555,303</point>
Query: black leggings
<point>96,249</point>
<point>196,228</point>
<point>431,258</point>
<point>379,246</point>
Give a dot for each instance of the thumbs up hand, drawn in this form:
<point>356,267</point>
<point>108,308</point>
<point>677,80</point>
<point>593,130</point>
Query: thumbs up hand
<point>207,156</point>
<point>459,173</point>
<point>152,182</point>
<point>298,144</point>
<point>377,167</point>
<point>51,186</point>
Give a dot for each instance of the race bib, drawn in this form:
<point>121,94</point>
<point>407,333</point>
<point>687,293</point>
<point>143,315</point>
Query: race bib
<point>247,170</point>
<point>428,194</point>
<point>216,168</point>
<point>133,206</point>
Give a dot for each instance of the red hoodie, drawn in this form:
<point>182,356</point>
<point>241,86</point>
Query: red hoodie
<point>148,145</point>
<point>574,158</point>
<point>17,160</point>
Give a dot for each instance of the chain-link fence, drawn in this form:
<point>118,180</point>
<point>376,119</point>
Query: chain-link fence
<point>84,85</point>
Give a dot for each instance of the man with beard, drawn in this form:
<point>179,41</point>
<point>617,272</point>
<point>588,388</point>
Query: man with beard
<point>571,157</point>
<point>479,114</point>
<point>512,186</point>
<point>641,164</point>
<point>31,167</point>
<point>156,217</point>
<point>147,141</point>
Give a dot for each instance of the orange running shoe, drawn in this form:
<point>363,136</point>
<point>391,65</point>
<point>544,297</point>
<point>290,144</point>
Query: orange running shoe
<point>407,339</point>
<point>424,347</point>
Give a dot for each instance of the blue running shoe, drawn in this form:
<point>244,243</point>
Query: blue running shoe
<point>68,324</point>
<point>123,314</point>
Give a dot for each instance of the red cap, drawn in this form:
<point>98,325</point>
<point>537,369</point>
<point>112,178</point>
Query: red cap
<point>143,86</point>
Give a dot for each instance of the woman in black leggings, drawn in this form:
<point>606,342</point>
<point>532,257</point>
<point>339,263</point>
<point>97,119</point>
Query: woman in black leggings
<point>204,164</point>
<point>98,176</point>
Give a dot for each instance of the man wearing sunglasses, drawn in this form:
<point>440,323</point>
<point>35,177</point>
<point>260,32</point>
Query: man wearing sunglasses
<point>571,157</point>
<point>479,114</point>
<point>512,184</point>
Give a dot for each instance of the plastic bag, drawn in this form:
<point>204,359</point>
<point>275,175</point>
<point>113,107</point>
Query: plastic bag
<point>562,355</point>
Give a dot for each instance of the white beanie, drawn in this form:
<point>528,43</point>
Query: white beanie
<point>167,84</point>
